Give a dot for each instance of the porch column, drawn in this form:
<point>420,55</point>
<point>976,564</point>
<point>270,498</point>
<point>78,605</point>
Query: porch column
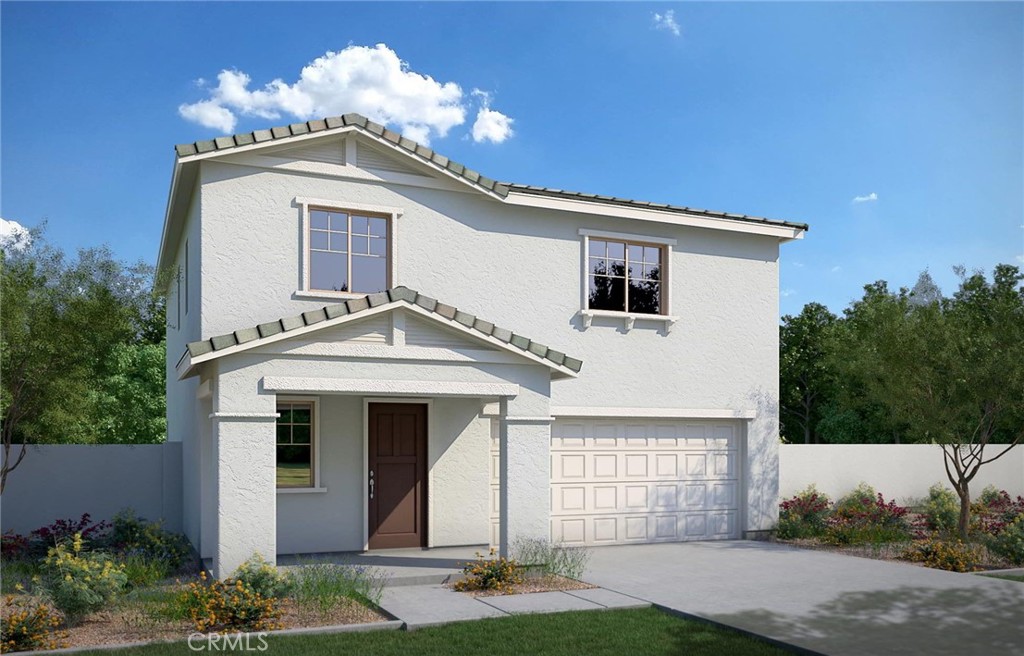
<point>524,477</point>
<point>245,461</point>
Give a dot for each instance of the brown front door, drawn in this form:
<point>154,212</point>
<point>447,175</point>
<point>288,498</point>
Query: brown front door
<point>398,475</point>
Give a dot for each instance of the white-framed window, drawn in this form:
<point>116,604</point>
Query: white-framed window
<point>298,443</point>
<point>626,276</point>
<point>348,249</point>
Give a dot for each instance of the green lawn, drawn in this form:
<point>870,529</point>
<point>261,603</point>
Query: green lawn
<point>634,632</point>
<point>1008,577</point>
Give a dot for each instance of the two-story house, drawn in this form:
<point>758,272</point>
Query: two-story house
<point>372,346</point>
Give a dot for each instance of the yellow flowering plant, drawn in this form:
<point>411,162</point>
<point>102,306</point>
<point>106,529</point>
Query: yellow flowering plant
<point>490,572</point>
<point>28,625</point>
<point>80,582</point>
<point>229,605</point>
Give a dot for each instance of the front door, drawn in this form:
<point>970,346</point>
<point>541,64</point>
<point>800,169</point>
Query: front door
<point>397,475</point>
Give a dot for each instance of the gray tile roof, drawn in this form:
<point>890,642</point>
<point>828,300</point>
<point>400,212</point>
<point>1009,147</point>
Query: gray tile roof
<point>612,200</point>
<point>348,120</point>
<point>357,305</point>
<point>501,189</point>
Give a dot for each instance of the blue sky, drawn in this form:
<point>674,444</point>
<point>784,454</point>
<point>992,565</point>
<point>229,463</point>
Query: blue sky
<point>785,110</point>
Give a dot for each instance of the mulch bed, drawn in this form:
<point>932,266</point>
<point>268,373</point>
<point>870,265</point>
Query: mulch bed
<point>891,551</point>
<point>549,583</point>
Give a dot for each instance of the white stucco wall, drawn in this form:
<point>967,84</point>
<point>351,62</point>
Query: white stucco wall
<point>899,471</point>
<point>521,268</point>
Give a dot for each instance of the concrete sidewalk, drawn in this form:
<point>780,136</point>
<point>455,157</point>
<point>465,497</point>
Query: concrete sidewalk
<point>420,606</point>
<point>824,602</point>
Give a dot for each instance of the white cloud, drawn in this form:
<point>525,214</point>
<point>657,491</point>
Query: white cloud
<point>13,235</point>
<point>667,21</point>
<point>1020,258</point>
<point>798,265</point>
<point>210,114</point>
<point>836,269</point>
<point>866,199</point>
<point>371,81</point>
<point>490,125</point>
<point>787,292</point>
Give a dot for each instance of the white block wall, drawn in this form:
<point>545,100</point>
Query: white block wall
<point>898,471</point>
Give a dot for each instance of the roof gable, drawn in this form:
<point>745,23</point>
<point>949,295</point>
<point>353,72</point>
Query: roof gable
<point>359,313</point>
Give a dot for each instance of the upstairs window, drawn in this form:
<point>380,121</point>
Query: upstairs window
<point>348,251</point>
<point>625,276</point>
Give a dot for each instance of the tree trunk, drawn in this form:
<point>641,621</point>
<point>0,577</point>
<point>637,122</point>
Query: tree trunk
<point>965,509</point>
<point>807,432</point>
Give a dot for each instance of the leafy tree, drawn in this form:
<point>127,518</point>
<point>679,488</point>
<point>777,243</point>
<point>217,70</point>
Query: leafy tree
<point>806,378</point>
<point>130,405</point>
<point>949,371</point>
<point>61,320</point>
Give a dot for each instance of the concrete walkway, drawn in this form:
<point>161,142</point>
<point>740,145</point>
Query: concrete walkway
<point>430,605</point>
<point>827,603</point>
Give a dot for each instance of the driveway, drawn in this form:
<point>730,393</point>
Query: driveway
<point>827,603</point>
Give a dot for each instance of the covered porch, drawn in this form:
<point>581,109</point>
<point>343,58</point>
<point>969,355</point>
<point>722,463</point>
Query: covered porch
<point>424,426</point>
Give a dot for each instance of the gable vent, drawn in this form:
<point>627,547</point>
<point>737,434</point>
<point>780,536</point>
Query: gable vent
<point>332,152</point>
<point>370,158</point>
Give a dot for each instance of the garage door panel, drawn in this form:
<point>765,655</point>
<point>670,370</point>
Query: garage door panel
<point>627,481</point>
<point>630,528</point>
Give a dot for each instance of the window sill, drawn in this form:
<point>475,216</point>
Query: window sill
<point>301,490</point>
<point>345,296</point>
<point>628,318</point>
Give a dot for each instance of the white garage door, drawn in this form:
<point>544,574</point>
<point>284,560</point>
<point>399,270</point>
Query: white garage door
<point>622,481</point>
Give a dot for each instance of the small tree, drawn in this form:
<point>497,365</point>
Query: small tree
<point>949,370</point>
<point>805,376</point>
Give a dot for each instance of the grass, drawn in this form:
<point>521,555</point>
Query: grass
<point>322,586</point>
<point>1008,577</point>
<point>17,572</point>
<point>636,632</point>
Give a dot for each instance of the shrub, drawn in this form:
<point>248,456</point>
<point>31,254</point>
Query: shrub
<point>13,545</point>
<point>323,586</point>
<point>941,510</point>
<point>228,606</point>
<point>64,530</point>
<point>28,625</point>
<point>556,559</point>
<point>493,573</point>
<point>132,535</point>
<point>804,515</point>
<point>994,510</point>
<point>1009,543</point>
<point>141,571</point>
<point>262,577</point>
<point>81,582</point>
<point>951,555</point>
<point>863,516</point>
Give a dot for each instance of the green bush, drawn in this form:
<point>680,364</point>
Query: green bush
<point>941,510</point>
<point>132,535</point>
<point>80,582</point>
<point>142,571</point>
<point>804,515</point>
<point>551,558</point>
<point>322,587</point>
<point>1009,543</point>
<point>860,496</point>
<point>263,577</point>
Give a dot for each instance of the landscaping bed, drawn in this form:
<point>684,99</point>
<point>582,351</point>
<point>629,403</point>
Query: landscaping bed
<point>863,524</point>
<point>536,566</point>
<point>79,583</point>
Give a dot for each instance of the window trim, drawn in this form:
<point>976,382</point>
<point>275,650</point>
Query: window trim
<point>315,486</point>
<point>306,204</point>
<point>628,318</point>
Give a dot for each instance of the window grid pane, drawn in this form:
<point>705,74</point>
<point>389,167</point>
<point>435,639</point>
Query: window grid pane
<point>612,263</point>
<point>295,444</point>
<point>360,242</point>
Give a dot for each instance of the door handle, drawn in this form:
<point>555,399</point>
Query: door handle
<point>371,483</point>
